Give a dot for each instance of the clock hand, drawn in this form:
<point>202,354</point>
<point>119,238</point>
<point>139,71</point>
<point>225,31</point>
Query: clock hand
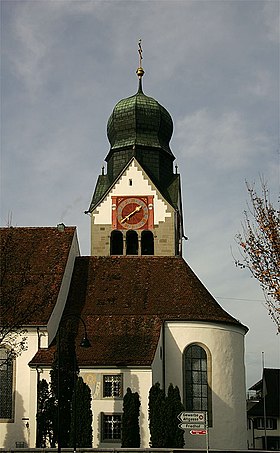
<point>127,217</point>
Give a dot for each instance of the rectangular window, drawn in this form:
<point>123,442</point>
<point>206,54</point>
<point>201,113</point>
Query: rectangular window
<point>271,423</point>
<point>6,385</point>
<point>111,427</point>
<point>112,386</point>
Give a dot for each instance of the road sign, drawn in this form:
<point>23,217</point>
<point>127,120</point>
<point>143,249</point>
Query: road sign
<point>192,417</point>
<point>191,425</point>
<point>199,432</point>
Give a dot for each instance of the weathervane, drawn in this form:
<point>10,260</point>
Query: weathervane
<point>140,70</point>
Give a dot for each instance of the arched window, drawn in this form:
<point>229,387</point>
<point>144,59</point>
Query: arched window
<point>6,384</point>
<point>131,243</point>
<point>197,389</point>
<point>116,243</point>
<point>147,242</point>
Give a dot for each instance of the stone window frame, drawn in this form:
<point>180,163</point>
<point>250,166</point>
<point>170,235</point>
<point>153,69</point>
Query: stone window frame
<point>116,381</point>
<point>113,420</point>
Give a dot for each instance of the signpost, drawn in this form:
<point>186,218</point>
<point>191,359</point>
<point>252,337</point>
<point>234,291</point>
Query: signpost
<point>197,422</point>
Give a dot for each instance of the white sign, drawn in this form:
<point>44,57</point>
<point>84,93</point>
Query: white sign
<point>191,426</point>
<point>192,417</point>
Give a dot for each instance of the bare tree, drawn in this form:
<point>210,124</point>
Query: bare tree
<point>259,244</point>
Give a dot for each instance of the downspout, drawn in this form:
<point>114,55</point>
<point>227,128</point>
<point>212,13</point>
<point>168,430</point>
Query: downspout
<point>163,356</point>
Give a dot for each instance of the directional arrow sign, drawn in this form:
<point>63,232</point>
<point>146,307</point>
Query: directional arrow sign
<point>195,432</point>
<point>191,426</point>
<point>192,417</point>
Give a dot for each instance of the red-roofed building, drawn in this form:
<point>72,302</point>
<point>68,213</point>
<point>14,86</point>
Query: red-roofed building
<point>148,316</point>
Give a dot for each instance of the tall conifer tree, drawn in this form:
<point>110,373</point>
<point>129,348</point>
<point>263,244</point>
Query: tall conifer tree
<point>65,359</point>
<point>175,435</point>
<point>81,416</point>
<point>157,417</point>
<point>130,420</point>
<point>163,418</point>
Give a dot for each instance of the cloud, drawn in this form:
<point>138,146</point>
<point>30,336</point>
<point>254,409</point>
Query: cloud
<point>38,34</point>
<point>223,140</point>
<point>263,84</point>
<point>271,20</point>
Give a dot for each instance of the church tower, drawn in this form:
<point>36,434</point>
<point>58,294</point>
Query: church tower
<point>150,317</point>
<point>136,206</point>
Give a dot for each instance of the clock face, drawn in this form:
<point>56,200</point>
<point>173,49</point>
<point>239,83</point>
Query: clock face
<point>132,213</point>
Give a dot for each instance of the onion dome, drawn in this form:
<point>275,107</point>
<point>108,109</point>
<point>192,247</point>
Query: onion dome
<point>140,120</point>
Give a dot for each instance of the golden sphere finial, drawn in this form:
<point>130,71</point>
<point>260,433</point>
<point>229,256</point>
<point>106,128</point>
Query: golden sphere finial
<point>140,72</point>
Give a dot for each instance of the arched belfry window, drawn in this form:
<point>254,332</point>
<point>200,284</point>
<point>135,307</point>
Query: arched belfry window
<point>131,243</point>
<point>6,384</point>
<point>116,243</point>
<point>196,380</point>
<point>147,242</point>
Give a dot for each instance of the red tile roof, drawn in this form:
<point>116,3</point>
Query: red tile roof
<point>124,301</point>
<point>33,262</point>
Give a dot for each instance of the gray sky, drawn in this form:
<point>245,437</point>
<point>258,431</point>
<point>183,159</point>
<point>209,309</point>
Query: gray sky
<point>212,64</point>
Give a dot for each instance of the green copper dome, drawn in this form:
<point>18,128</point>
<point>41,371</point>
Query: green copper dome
<point>140,121</point>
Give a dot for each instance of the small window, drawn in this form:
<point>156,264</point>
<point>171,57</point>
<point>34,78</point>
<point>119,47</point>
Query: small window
<point>6,384</point>
<point>147,242</point>
<point>111,427</point>
<point>130,182</point>
<point>131,243</point>
<point>112,386</point>
<point>271,423</point>
<point>116,243</point>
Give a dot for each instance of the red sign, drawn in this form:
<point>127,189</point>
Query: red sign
<point>198,431</point>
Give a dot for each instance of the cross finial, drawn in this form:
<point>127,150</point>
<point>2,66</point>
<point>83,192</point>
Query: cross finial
<point>140,51</point>
<point>140,70</point>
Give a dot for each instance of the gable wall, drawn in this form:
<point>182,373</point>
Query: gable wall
<point>139,380</point>
<point>101,217</point>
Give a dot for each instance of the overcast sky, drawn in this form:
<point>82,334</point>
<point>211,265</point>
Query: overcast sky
<point>212,64</point>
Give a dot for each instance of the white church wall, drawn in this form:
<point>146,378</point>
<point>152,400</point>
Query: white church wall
<point>139,380</point>
<point>22,429</point>
<point>225,346</point>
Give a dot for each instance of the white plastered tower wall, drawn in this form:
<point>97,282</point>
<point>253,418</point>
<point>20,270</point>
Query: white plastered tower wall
<point>134,182</point>
<point>226,377</point>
